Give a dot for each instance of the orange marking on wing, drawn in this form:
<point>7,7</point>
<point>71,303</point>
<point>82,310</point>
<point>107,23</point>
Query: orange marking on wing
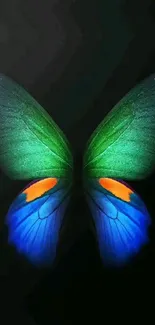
<point>39,188</point>
<point>116,188</point>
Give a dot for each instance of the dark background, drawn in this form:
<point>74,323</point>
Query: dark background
<point>77,58</point>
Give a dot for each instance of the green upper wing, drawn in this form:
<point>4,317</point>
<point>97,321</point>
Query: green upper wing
<point>123,145</point>
<point>31,144</point>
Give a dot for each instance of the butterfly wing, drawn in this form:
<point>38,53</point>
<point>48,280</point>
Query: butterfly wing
<point>122,147</point>
<point>33,147</point>
<point>34,219</point>
<point>120,217</point>
<point>31,144</point>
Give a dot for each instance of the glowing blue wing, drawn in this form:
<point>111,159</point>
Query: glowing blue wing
<point>34,220</point>
<point>121,220</point>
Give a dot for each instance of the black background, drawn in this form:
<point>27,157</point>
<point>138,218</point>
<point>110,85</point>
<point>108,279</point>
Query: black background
<point>77,69</point>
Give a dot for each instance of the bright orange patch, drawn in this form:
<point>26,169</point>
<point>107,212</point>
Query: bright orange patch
<point>39,188</point>
<point>116,188</point>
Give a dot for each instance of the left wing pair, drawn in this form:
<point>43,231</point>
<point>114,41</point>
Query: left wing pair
<point>32,147</point>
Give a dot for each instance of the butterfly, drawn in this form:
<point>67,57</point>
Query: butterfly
<point>33,148</point>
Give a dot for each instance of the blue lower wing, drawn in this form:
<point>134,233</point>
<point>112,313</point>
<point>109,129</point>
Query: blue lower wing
<point>122,227</point>
<point>34,226</point>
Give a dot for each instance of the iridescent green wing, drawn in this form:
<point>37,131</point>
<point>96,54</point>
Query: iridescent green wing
<point>123,145</point>
<point>31,144</point>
